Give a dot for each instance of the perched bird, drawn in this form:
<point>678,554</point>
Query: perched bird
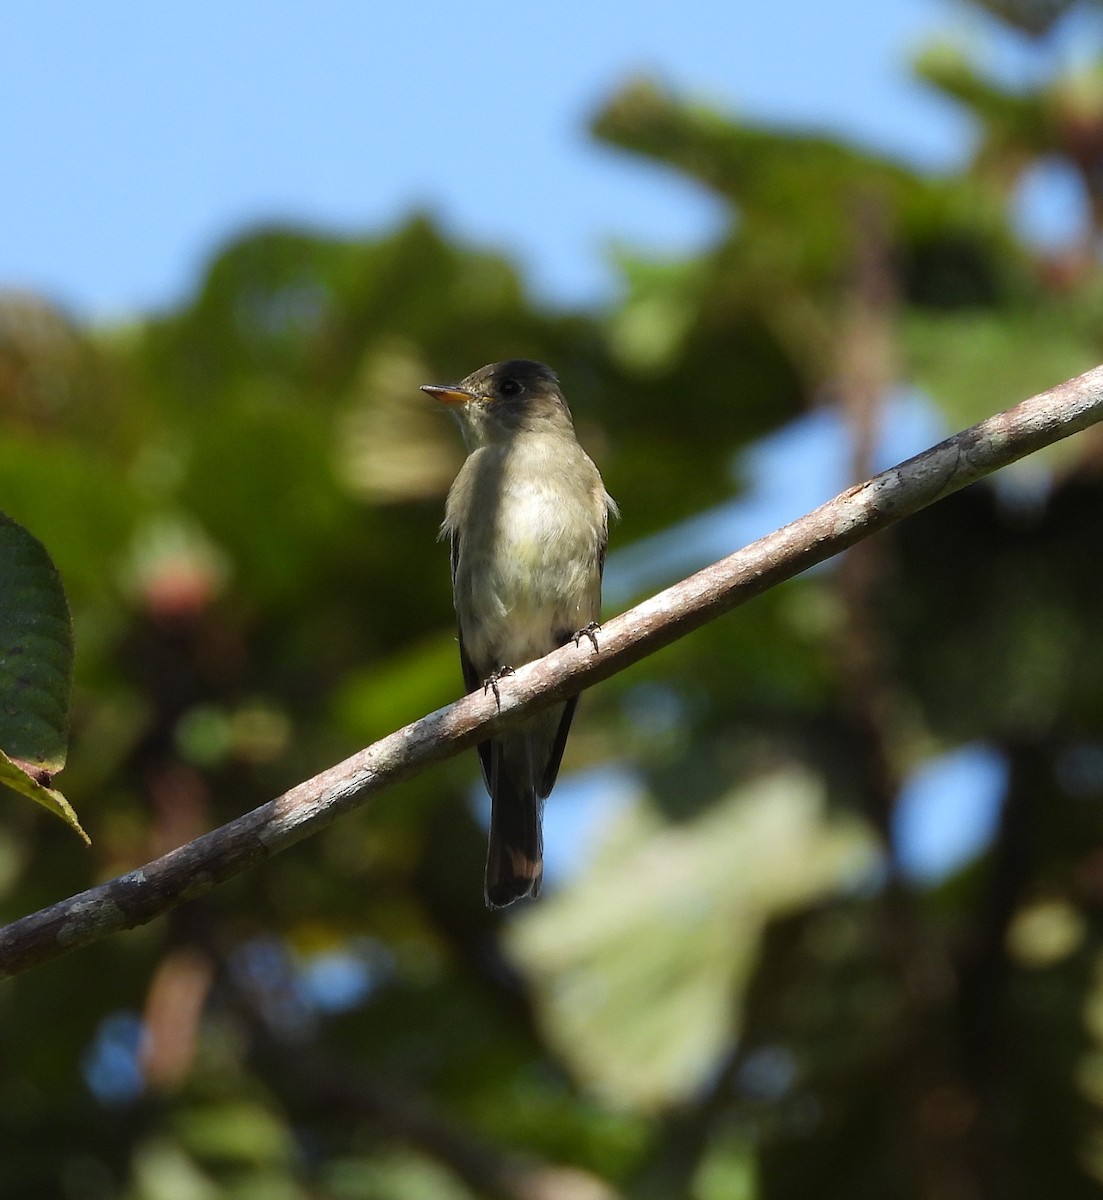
<point>527,518</point>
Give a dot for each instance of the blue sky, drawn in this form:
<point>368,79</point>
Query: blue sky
<point>137,135</point>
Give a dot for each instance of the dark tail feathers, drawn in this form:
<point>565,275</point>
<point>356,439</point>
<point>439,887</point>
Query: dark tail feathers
<point>515,857</point>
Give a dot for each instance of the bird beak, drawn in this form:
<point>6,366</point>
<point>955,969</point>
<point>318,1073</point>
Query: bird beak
<point>448,393</point>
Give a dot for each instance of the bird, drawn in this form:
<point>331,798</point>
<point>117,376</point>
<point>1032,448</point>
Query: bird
<point>527,520</point>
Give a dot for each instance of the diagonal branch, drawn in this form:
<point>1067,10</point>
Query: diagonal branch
<point>140,895</point>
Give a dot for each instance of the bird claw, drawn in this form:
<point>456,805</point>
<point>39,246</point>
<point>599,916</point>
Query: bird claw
<point>588,631</point>
<point>491,684</point>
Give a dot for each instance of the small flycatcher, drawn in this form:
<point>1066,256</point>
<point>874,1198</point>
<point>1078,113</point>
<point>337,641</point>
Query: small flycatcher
<point>528,521</point>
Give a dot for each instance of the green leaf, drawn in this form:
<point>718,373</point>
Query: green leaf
<point>36,668</point>
<point>976,362</point>
<point>642,1004</point>
<point>23,780</point>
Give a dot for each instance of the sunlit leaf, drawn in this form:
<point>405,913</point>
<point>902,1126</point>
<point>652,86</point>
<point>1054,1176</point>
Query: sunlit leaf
<point>644,1000</point>
<point>27,782</point>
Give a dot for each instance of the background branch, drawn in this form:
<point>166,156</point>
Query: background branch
<point>192,869</point>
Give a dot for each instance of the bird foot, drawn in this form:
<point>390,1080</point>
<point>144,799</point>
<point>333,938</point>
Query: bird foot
<point>490,684</point>
<point>587,631</point>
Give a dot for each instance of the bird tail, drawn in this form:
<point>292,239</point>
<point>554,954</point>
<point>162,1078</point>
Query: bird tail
<point>520,770</point>
<point>515,856</point>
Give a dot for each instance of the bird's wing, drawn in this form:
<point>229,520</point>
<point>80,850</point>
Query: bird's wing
<point>551,770</point>
<point>609,509</point>
<point>471,678</point>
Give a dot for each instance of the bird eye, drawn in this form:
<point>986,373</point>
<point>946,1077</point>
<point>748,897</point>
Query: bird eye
<point>509,387</point>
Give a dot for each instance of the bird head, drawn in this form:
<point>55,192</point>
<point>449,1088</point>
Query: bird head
<point>498,401</point>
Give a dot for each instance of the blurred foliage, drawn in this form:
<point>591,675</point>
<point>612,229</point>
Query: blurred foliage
<point>738,992</point>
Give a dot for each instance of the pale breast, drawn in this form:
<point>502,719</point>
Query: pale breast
<point>528,561</point>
